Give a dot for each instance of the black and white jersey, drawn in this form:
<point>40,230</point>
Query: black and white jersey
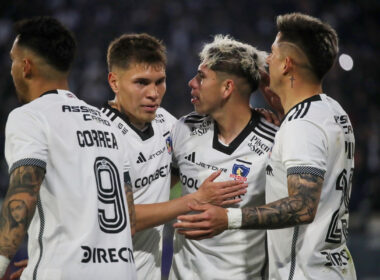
<point>81,227</point>
<point>316,137</point>
<point>150,158</point>
<point>234,254</point>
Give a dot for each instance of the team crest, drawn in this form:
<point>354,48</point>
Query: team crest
<point>240,172</point>
<point>169,145</point>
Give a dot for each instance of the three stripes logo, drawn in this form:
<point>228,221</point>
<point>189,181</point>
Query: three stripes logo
<point>191,157</point>
<point>141,158</point>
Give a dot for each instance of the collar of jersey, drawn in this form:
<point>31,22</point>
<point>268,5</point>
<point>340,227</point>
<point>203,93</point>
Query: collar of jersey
<point>310,99</point>
<point>147,133</point>
<point>239,139</point>
<point>58,91</point>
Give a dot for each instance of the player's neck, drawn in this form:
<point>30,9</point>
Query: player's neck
<point>40,86</point>
<point>232,122</point>
<point>293,95</point>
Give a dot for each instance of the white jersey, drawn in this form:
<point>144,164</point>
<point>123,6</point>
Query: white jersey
<point>234,254</point>
<point>316,137</point>
<point>150,157</point>
<point>81,228</point>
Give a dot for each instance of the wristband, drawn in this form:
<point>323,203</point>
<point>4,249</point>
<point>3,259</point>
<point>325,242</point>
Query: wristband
<point>4,262</point>
<point>235,218</point>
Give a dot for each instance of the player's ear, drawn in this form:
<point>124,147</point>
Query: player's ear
<point>113,82</point>
<point>27,68</point>
<point>287,65</point>
<point>227,88</point>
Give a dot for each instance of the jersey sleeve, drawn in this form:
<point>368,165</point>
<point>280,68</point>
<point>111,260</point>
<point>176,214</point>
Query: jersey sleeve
<point>26,140</point>
<point>176,137</point>
<point>305,148</point>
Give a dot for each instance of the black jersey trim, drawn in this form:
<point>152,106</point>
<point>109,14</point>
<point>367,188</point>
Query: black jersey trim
<point>299,110</point>
<point>40,235</point>
<point>194,118</point>
<point>243,161</point>
<point>27,162</point>
<point>252,124</point>
<point>261,127</point>
<point>293,253</point>
<point>53,91</point>
<point>264,269</point>
<point>146,134</point>
<point>262,135</point>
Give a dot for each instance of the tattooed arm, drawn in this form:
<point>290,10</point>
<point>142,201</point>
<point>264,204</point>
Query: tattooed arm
<point>131,207</point>
<point>298,208</point>
<point>18,207</point>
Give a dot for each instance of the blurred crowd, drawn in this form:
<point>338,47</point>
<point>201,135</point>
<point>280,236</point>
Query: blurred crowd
<point>184,25</point>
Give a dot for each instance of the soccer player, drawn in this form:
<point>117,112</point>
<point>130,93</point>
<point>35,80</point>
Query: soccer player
<point>310,167</point>
<point>224,133</point>
<point>136,64</point>
<point>67,167</point>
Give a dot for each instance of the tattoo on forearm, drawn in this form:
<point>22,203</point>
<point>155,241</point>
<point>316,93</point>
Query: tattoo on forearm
<point>18,207</point>
<point>298,208</point>
<point>131,205</point>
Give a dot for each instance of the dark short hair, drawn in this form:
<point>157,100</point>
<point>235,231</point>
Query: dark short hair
<point>318,40</point>
<point>49,39</point>
<point>137,48</point>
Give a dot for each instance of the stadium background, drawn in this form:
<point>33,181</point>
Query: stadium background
<point>184,25</point>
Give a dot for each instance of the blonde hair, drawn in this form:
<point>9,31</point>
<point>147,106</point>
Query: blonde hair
<point>227,55</point>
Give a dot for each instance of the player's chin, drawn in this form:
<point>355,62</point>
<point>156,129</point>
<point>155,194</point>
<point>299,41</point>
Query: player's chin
<point>148,117</point>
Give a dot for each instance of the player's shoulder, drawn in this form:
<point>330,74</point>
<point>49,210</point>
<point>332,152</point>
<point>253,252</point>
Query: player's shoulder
<point>262,128</point>
<point>316,109</point>
<point>195,119</point>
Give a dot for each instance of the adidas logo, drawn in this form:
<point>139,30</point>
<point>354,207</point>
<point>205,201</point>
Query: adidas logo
<point>141,158</point>
<point>191,157</point>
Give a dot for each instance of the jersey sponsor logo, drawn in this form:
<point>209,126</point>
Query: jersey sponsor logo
<point>200,130</point>
<point>344,122</point>
<point>269,170</point>
<point>256,145</point>
<point>188,181</point>
<point>141,158</point>
<point>98,138</point>
<point>163,171</point>
<point>107,255</point>
<point>339,258</point>
<point>89,114</point>
<point>191,158</point>
<point>239,172</point>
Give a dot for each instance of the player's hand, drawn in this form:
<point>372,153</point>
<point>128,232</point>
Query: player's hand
<point>270,97</point>
<point>22,264</point>
<point>220,193</point>
<point>268,115</point>
<point>210,222</point>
